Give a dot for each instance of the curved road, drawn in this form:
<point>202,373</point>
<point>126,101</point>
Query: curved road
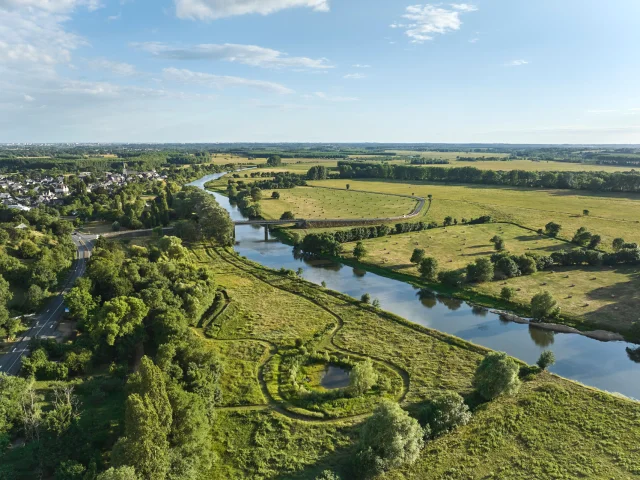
<point>45,323</point>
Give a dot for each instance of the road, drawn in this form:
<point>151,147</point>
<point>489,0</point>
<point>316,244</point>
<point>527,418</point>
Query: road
<point>45,323</point>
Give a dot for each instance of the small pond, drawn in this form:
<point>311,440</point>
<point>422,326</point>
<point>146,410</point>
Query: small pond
<point>335,377</point>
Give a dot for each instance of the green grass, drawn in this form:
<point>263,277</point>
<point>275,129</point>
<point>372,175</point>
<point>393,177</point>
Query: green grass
<point>602,296</point>
<point>313,203</point>
<point>611,214</point>
<point>553,428</point>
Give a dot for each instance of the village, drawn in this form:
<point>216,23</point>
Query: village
<point>18,193</point>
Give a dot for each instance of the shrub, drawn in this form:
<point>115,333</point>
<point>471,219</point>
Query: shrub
<point>506,268</point>
<point>287,216</point>
<point>359,251</point>
<point>547,358</point>
<point>496,375</point>
<point>275,195</point>
<point>543,305</point>
<point>451,278</point>
<point>507,293</point>
<point>445,412</point>
<point>365,298</point>
<point>389,439</point>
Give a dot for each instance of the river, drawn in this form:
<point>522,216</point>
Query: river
<point>605,365</point>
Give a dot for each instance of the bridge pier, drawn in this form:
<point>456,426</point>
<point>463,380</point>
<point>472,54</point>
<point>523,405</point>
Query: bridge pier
<point>266,233</point>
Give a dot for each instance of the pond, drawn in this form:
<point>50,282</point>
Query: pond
<point>605,365</point>
<point>335,377</point>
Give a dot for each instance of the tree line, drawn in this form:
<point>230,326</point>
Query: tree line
<point>592,181</point>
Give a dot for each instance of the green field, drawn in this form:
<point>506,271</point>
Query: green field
<point>306,202</point>
<point>607,297</point>
<point>611,214</point>
<point>552,428</point>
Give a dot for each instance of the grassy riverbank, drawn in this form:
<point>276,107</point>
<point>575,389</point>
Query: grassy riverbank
<point>552,428</point>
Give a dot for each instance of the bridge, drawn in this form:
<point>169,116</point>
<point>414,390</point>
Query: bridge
<point>338,222</point>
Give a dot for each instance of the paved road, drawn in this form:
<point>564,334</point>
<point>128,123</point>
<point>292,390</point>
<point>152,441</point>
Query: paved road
<point>45,323</point>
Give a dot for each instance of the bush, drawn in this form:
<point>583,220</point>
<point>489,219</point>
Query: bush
<point>451,278</point>
<point>547,358</point>
<point>506,268</point>
<point>507,293</point>
<point>417,256</point>
<point>445,412</point>
<point>543,305</point>
<point>389,439</point>
<point>287,216</point>
<point>365,298</point>
<point>496,375</point>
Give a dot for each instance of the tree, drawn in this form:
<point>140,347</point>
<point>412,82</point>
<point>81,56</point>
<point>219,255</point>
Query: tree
<point>35,296</point>
<point>547,358</point>
<point>445,412</point>
<point>80,302</point>
<point>417,256</point>
<point>348,186</point>
<point>362,377</point>
<point>119,317</point>
<point>543,305</point>
<point>328,475</point>
<point>256,194</point>
<point>507,293</point>
<point>122,473</point>
<point>595,242</point>
<point>480,271</point>
<point>274,161</point>
<point>375,303</point>
<point>115,226</point>
<point>618,243</point>
<point>451,278</point>
<point>28,249</point>
<point>287,216</point>
<point>585,213</point>
<point>318,173</point>
<point>552,229</point>
<point>148,420</point>
<point>496,375</point>
<point>448,221</point>
<point>506,267</point>
<point>389,439</point>
<point>582,237</point>
<point>428,269</point>
<point>365,298</point>
<point>359,251</point>
<point>275,195</point>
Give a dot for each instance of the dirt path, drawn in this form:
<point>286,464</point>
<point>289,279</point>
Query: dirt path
<point>271,349</point>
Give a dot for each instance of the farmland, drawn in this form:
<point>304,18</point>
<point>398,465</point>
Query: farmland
<point>610,215</point>
<point>306,202</point>
<point>602,296</point>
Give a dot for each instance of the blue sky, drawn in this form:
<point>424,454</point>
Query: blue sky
<point>512,71</point>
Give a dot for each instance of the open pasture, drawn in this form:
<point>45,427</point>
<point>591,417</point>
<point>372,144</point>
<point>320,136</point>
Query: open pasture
<point>611,215</point>
<point>312,203</point>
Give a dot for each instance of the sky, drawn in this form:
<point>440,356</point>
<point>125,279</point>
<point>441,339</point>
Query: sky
<point>508,71</point>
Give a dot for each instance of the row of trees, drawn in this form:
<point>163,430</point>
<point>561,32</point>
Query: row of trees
<point>593,181</point>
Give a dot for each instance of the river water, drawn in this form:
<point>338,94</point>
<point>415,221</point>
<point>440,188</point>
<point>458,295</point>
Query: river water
<point>605,365</point>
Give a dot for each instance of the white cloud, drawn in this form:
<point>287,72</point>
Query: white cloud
<point>474,40</point>
<point>333,98</point>
<point>28,98</point>
<point>429,20</point>
<point>52,6</point>
<point>213,9</point>
<point>246,54</point>
<point>358,65</point>
<point>517,63</point>
<point>222,81</point>
<point>118,68</point>
<point>355,76</point>
<point>113,18</point>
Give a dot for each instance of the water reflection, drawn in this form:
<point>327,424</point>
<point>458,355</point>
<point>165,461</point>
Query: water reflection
<point>359,273</point>
<point>542,338</point>
<point>479,311</point>
<point>612,366</point>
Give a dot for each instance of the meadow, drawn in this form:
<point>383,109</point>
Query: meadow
<point>598,296</point>
<point>311,203</point>
<point>611,215</point>
<point>552,428</point>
